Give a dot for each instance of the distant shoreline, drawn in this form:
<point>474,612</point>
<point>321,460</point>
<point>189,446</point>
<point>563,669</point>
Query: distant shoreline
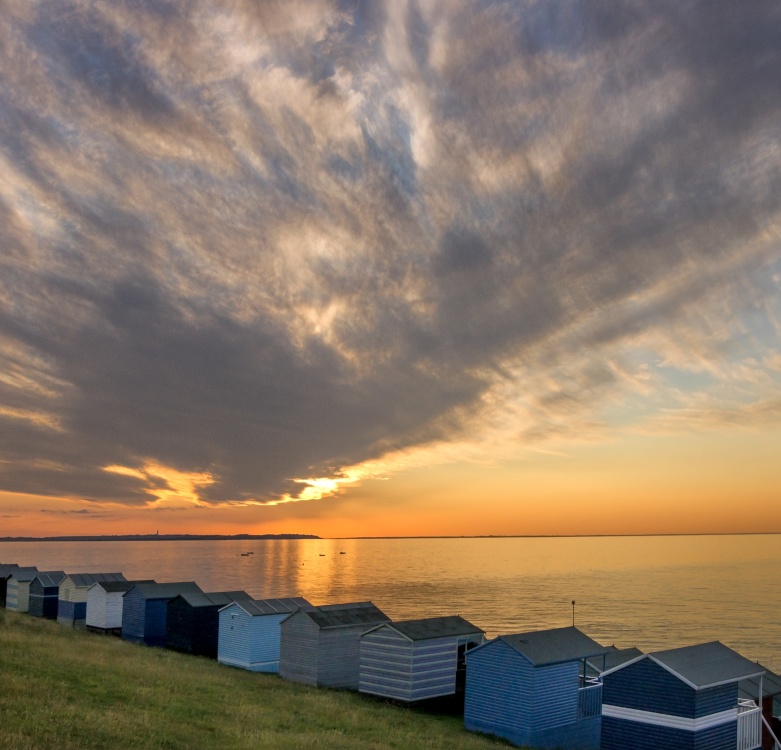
<point>157,538</point>
<point>266,537</point>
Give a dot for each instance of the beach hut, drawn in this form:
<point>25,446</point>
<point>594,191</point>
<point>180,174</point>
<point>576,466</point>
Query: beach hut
<point>765,691</point>
<point>417,660</point>
<point>249,633</point>
<point>322,646</point>
<point>532,689</point>
<point>104,605</point>
<point>193,621</point>
<point>17,595</point>
<point>145,610</point>
<point>681,699</point>
<point>5,572</point>
<point>44,589</point>
<point>72,597</point>
<point>613,658</point>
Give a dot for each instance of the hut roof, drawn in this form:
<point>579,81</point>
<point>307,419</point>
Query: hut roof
<point>113,586</point>
<point>50,578</point>
<point>165,590</point>
<point>615,657</point>
<point>7,568</point>
<point>556,646</point>
<point>24,574</point>
<point>263,607</point>
<point>219,598</point>
<point>347,615</point>
<point>85,580</point>
<point>771,685</point>
<point>707,664</point>
<point>434,627</point>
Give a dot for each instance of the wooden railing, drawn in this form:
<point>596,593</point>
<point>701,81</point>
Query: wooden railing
<point>590,698</point>
<point>749,725</point>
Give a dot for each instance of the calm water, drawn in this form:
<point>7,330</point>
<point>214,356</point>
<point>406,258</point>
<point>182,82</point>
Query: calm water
<point>650,592</point>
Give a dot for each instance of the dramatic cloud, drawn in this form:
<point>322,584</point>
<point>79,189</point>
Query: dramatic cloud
<point>247,244</point>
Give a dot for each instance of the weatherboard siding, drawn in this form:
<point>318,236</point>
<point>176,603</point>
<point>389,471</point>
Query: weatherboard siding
<point>299,646</point>
<point>43,600</point>
<point>339,654</point>
<point>104,608</point>
<point>249,642</point>
<point>646,686</point>
<point>17,595</point>
<point>133,616</point>
<point>619,734</point>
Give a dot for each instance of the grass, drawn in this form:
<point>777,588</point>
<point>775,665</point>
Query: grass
<point>70,689</point>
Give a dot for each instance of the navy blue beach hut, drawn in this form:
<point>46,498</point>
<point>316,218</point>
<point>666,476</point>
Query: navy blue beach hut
<point>417,660</point>
<point>72,597</point>
<point>533,690</point>
<point>322,646</point>
<point>5,571</point>
<point>681,699</point>
<point>44,593</point>
<point>145,610</point>
<point>193,623</point>
<point>249,632</point>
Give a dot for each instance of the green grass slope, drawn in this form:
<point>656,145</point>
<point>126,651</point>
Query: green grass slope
<point>67,689</point>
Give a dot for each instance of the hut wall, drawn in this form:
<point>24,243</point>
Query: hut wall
<point>249,642</point>
<point>298,649</point>
<point>18,595</point>
<point>97,614</point>
<point>193,630</point>
<point>133,616</point>
<point>155,622</point>
<point>3,591</point>
<point>43,600</point>
<point>339,657</point>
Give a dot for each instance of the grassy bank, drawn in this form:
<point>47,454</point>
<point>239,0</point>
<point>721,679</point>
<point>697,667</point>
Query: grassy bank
<point>71,689</point>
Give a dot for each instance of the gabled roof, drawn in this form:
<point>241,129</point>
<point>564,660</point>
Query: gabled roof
<point>215,598</point>
<point>24,574</point>
<point>707,664</point>
<point>85,580</point>
<point>614,658</point>
<point>556,646</point>
<point>164,590</point>
<point>50,578</point>
<point>111,587</point>
<point>263,607</point>
<point>346,615</point>
<point>432,627</point>
<point>771,685</point>
<point>7,568</point>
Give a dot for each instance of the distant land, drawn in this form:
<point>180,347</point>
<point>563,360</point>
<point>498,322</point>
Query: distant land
<point>156,538</point>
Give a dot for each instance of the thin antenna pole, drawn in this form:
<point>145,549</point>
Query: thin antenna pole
<point>573,613</point>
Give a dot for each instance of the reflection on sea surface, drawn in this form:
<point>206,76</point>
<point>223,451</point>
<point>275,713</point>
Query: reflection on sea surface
<point>650,592</point>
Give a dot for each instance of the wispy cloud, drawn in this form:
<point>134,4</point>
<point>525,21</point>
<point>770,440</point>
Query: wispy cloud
<point>265,242</point>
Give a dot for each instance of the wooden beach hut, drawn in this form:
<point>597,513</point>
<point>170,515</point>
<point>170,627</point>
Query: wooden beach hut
<point>193,622</point>
<point>533,690</point>
<point>44,590</point>
<point>17,595</point>
<point>765,691</point>
<point>322,646</point>
<point>417,660</point>
<point>145,610</point>
<point>72,597</point>
<point>104,605</point>
<point>5,572</point>
<point>249,633</point>
<point>681,699</point>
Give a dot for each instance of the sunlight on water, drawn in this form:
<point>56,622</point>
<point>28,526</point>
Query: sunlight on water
<point>650,592</point>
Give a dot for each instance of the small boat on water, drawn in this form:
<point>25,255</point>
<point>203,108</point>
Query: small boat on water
<point>342,553</point>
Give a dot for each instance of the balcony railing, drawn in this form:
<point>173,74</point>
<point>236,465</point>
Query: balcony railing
<point>589,698</point>
<point>749,725</point>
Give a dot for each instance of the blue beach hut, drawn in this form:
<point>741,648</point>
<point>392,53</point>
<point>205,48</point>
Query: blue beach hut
<point>72,597</point>
<point>145,610</point>
<point>417,660</point>
<point>322,646</point>
<point>532,689</point>
<point>17,595</point>
<point>681,699</point>
<point>765,691</point>
<point>193,622</point>
<point>44,590</point>
<point>249,633</point>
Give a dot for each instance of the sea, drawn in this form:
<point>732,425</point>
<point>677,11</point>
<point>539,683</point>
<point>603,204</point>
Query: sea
<point>653,592</point>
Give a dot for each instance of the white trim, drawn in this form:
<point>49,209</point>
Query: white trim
<point>624,664</point>
<point>667,720</point>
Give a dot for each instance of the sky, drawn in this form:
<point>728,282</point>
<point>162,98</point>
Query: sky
<point>416,267</point>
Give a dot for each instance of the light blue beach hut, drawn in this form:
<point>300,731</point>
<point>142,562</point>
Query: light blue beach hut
<point>72,596</point>
<point>249,634</point>
<point>533,689</point>
<point>17,595</point>
<point>417,660</point>
<point>681,699</point>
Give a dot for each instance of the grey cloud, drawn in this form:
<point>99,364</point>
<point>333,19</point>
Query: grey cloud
<point>278,260</point>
